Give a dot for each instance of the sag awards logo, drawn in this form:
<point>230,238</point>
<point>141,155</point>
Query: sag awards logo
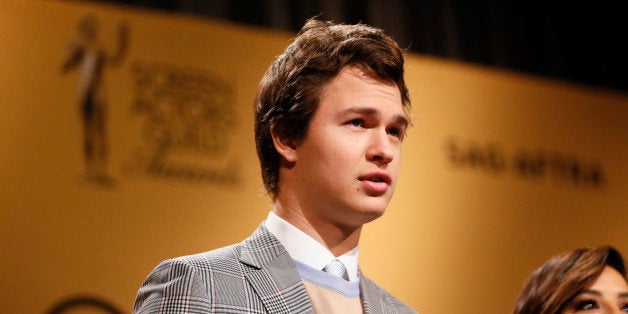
<point>534,165</point>
<point>187,116</point>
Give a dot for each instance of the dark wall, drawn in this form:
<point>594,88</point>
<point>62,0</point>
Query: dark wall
<point>580,42</point>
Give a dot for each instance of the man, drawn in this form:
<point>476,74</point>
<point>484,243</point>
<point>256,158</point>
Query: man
<point>331,113</point>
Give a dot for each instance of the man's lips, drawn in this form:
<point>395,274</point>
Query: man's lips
<point>377,182</point>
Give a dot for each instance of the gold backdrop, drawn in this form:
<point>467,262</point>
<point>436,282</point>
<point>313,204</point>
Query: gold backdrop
<point>501,171</point>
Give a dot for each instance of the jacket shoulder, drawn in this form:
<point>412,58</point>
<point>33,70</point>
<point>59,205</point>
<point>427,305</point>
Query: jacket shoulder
<point>184,284</point>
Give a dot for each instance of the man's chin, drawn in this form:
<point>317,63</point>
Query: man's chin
<point>371,213</point>
<point>358,221</point>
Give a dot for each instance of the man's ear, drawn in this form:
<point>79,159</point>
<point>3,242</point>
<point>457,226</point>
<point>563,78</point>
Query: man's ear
<point>286,148</point>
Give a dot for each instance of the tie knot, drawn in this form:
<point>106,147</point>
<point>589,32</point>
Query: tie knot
<point>337,268</point>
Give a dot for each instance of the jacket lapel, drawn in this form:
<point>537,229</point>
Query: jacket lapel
<point>373,300</point>
<point>273,275</point>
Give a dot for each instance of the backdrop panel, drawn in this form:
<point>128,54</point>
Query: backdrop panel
<point>114,157</point>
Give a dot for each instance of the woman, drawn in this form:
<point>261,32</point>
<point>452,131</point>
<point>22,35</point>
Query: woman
<point>586,280</point>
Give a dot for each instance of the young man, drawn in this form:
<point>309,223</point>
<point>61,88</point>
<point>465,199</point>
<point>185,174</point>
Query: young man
<point>331,114</point>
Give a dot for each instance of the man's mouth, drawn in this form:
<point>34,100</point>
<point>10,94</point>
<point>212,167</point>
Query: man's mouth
<point>376,177</point>
<point>376,184</point>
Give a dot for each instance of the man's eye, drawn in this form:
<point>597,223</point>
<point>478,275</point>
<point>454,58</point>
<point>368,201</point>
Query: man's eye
<point>586,305</point>
<point>397,132</point>
<point>356,122</point>
<point>624,308</point>
<point>394,132</point>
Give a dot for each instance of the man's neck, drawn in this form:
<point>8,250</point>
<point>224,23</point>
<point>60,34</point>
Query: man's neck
<point>337,239</point>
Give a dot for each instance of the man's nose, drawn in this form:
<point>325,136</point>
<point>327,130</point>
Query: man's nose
<point>380,147</point>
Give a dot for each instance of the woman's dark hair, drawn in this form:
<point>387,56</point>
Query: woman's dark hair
<point>289,92</point>
<point>559,280</point>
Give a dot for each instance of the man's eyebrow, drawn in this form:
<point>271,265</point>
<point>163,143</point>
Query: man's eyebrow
<point>361,110</point>
<point>623,295</point>
<point>403,120</point>
<point>369,111</point>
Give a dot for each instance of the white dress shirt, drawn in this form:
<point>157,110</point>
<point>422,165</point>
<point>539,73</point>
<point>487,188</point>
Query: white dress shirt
<point>306,250</point>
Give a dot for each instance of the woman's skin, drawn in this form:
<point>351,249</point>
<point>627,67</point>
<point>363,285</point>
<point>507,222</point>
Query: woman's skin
<point>607,295</point>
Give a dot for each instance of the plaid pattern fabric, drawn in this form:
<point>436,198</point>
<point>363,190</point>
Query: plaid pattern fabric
<point>255,276</point>
<point>377,300</point>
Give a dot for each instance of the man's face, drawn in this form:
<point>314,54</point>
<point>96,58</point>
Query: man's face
<point>349,160</point>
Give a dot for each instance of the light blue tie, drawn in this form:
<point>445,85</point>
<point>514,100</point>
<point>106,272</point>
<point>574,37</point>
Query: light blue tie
<point>337,268</point>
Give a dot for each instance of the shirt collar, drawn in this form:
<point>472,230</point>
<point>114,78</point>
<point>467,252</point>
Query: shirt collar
<point>305,249</point>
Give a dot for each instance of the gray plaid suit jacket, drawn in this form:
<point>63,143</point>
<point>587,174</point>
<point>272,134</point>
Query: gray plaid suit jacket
<point>255,276</point>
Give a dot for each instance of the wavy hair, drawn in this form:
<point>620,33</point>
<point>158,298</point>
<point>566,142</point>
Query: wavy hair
<point>559,280</point>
